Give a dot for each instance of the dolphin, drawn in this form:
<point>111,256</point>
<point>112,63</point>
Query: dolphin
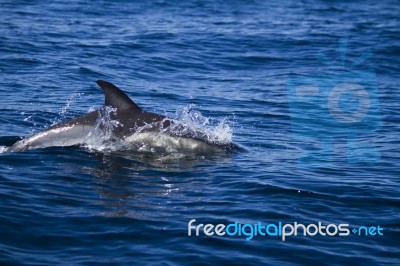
<point>131,119</point>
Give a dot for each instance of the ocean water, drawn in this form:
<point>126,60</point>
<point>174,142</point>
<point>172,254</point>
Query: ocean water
<point>232,63</point>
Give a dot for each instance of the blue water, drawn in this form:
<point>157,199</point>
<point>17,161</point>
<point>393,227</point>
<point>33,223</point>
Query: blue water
<point>233,60</point>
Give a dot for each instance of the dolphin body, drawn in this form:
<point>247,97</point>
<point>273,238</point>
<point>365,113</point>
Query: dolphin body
<point>130,118</point>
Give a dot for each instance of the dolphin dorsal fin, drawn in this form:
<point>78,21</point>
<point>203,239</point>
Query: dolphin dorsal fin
<point>116,98</point>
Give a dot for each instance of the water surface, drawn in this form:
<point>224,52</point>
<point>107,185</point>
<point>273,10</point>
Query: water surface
<point>233,60</point>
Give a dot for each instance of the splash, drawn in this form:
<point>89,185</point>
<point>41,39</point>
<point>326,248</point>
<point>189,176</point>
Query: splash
<point>3,149</point>
<point>72,99</point>
<point>184,136</point>
<point>189,122</point>
<point>102,137</point>
<point>63,112</point>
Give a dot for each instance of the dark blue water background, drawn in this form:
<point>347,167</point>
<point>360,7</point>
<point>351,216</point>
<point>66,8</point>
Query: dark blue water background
<point>232,59</point>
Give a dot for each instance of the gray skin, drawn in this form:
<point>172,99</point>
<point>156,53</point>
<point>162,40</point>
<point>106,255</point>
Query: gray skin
<point>128,114</point>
